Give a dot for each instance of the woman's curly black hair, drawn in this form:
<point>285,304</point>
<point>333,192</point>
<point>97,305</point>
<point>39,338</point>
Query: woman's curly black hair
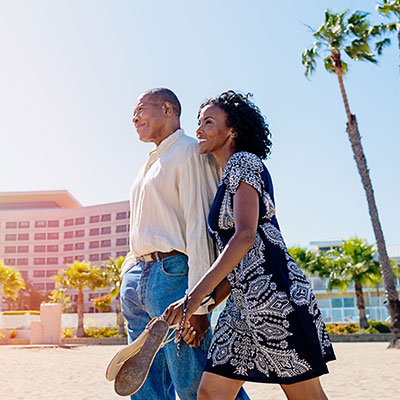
<point>247,121</point>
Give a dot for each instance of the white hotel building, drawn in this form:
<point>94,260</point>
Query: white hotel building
<point>41,232</point>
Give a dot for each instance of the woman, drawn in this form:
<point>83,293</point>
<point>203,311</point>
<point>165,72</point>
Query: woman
<point>271,329</point>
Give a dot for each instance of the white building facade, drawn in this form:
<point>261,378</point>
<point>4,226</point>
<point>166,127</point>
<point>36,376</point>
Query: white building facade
<point>42,232</point>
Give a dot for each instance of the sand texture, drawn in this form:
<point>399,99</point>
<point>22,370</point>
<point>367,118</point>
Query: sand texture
<point>362,371</point>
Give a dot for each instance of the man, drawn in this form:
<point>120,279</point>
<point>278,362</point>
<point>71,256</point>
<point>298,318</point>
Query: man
<point>169,245</point>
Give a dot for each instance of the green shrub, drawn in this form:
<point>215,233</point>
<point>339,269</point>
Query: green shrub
<point>339,329</point>
<point>67,333</point>
<point>380,326</point>
<point>352,327</point>
<point>102,332</point>
<point>22,312</point>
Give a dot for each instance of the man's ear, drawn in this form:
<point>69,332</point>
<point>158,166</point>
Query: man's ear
<point>167,108</point>
<point>234,134</point>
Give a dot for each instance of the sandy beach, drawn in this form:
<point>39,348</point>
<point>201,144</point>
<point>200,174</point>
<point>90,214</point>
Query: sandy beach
<point>362,371</point>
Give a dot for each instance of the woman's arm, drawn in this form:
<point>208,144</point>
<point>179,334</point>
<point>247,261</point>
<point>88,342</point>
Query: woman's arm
<point>245,213</point>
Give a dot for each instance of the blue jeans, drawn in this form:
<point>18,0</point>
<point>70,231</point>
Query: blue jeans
<point>147,290</point>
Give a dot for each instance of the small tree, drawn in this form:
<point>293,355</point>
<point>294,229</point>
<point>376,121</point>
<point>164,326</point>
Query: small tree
<point>11,282</point>
<point>103,303</point>
<point>60,296</point>
<point>355,262</point>
<point>113,272</point>
<point>81,275</point>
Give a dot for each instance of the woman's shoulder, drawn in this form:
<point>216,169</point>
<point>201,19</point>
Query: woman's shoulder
<point>245,160</point>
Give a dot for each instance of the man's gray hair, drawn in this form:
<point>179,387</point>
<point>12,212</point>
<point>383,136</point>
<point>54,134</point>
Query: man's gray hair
<point>164,94</point>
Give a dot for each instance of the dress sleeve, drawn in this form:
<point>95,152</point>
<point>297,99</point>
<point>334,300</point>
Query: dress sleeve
<point>244,167</point>
<point>248,168</point>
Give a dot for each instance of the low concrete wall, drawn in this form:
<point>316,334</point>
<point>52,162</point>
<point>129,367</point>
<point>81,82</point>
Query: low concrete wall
<point>367,337</point>
<point>96,341</point>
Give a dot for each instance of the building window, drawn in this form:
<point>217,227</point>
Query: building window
<point>40,236</point>
<point>38,274</point>
<point>40,224</point>
<point>11,225</point>
<point>9,261</point>
<point>39,249</point>
<point>337,302</point>
<point>94,257</point>
<point>94,218</point>
<point>79,221</point>
<point>120,228</point>
<point>106,230</point>
<point>94,245</point>
<point>93,296</point>
<point>24,274</point>
<point>23,236</point>
<point>105,243</point>
<point>50,286</point>
<point>69,222</point>
<point>53,224</point>
<point>68,235</point>
<point>52,247</point>
<point>39,261</point>
<point>22,261</point>
<point>11,236</point>
<point>105,256</point>
<point>79,258</point>
<point>23,224</point>
<point>51,272</point>
<point>22,249</point>
<point>121,253</point>
<point>94,232</point>
<point>79,246</point>
<point>121,215</point>
<point>68,260</point>
<point>68,247</point>
<point>80,233</point>
<point>122,241</point>
<point>38,286</point>
<point>105,217</point>
<point>52,260</point>
<point>52,235</point>
<point>348,302</point>
<point>10,249</point>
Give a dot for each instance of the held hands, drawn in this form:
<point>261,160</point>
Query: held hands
<point>195,326</point>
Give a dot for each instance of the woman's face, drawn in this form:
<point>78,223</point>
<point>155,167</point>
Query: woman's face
<point>213,134</point>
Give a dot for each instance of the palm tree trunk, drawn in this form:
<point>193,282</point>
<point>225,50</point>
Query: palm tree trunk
<point>387,274</point>
<point>80,332</point>
<point>363,322</point>
<point>121,324</point>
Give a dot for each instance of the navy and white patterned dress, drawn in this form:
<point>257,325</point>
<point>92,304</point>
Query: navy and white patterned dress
<point>271,329</point>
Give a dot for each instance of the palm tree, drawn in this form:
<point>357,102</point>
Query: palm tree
<point>113,271</point>
<point>81,275</point>
<point>352,35</point>
<point>354,262</point>
<point>389,8</point>
<point>11,282</point>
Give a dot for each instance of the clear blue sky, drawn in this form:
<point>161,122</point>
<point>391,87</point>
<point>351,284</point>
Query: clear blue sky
<point>71,71</point>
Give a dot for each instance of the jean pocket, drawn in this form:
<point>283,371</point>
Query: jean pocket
<point>175,266</point>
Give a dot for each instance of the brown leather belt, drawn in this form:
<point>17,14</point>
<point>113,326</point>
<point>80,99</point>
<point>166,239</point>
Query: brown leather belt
<point>157,256</point>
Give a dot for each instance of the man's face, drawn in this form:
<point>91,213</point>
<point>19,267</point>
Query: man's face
<point>149,119</point>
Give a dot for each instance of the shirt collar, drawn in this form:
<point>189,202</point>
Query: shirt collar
<point>167,142</point>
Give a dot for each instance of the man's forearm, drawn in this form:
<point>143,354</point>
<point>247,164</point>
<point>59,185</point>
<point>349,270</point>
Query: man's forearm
<point>221,292</point>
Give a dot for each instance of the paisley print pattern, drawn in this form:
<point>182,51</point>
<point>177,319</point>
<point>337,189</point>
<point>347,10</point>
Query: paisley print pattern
<point>271,329</point>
